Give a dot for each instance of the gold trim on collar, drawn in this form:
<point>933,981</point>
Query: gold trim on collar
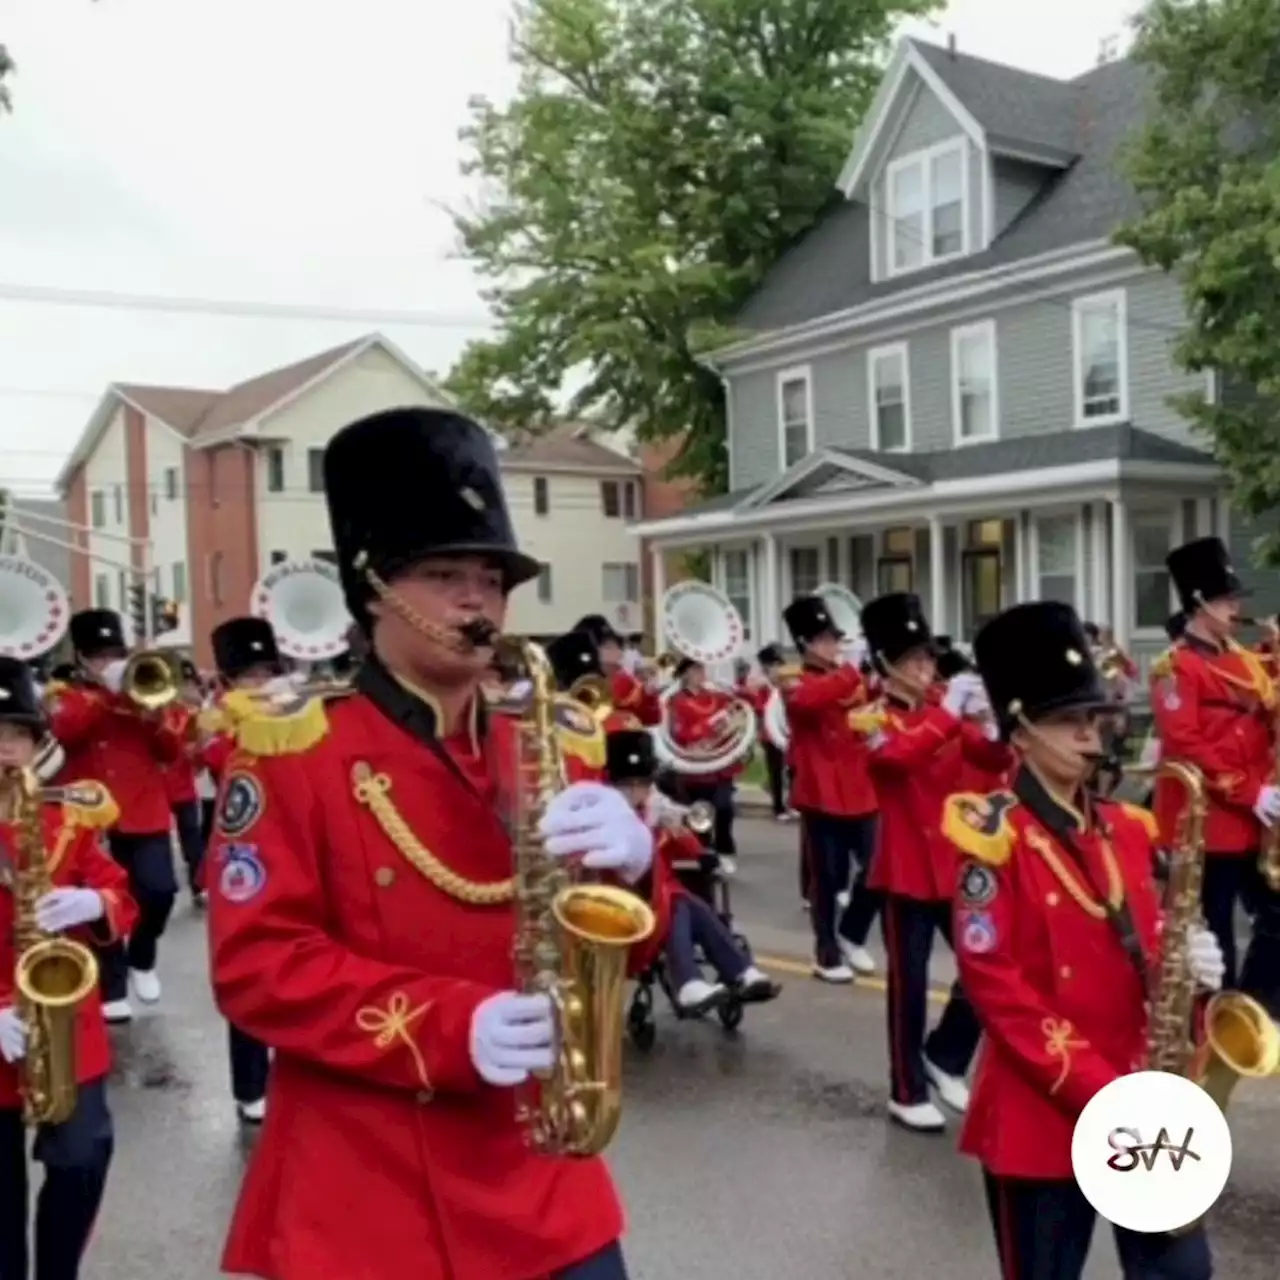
<point>1083,897</point>
<point>1259,683</point>
<point>432,703</point>
<point>1082,819</point>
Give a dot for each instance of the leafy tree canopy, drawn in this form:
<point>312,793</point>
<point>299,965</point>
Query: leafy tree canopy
<point>656,159</point>
<point>1206,166</point>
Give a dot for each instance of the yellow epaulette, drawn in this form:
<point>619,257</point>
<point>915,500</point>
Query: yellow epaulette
<point>579,733</point>
<point>275,728</point>
<point>86,804</point>
<point>868,719</point>
<point>55,687</point>
<point>1162,666</point>
<point>213,720</point>
<point>1144,816</point>
<point>979,826</point>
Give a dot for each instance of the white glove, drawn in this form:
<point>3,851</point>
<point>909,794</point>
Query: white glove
<point>512,1035</point>
<point>1267,805</point>
<point>855,651</point>
<point>876,739</point>
<point>13,1036</point>
<point>1204,958</point>
<point>960,691</point>
<point>595,821</point>
<point>63,909</point>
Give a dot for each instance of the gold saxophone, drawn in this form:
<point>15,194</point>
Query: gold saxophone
<point>572,941</point>
<point>54,975</point>
<point>1240,1039</point>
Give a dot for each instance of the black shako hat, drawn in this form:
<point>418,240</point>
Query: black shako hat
<point>629,756</point>
<point>807,618</point>
<point>893,625</point>
<point>684,666</point>
<point>573,656</point>
<point>770,656</point>
<point>242,643</point>
<point>1175,624</point>
<point>1035,660</point>
<point>599,628</point>
<point>19,698</point>
<point>97,631</point>
<point>410,483</point>
<point>951,662</point>
<point>1201,571</point>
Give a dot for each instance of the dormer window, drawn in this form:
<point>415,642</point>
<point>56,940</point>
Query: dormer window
<point>926,194</point>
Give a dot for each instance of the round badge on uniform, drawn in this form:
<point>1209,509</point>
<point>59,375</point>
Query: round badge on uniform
<point>978,933</point>
<point>243,875</point>
<point>242,804</point>
<point>978,886</point>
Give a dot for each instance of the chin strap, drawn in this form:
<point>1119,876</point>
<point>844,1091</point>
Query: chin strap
<point>474,634</point>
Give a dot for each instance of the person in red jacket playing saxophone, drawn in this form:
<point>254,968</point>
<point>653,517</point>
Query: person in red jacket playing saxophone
<point>913,737</point>
<point>109,739</point>
<point>1216,707</point>
<point>831,790</point>
<point>89,897</point>
<point>363,908</point>
<point>1058,935</point>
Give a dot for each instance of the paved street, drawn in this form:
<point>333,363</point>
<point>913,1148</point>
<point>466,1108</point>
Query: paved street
<point>753,1158</point>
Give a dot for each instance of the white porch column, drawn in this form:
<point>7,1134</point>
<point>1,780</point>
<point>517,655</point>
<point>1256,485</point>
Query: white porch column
<point>1021,558</point>
<point>1121,572</point>
<point>937,577</point>
<point>658,578</point>
<point>769,588</point>
<point>1100,580</point>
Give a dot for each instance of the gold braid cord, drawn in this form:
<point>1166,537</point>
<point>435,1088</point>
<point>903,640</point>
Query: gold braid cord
<point>373,790</point>
<point>395,1024</point>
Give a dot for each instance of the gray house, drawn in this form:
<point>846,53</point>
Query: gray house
<point>955,383</point>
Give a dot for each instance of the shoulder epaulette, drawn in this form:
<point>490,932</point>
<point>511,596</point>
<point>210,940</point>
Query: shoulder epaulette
<point>1162,666</point>
<point>868,718</point>
<point>1143,816</point>
<point>579,733</point>
<point>276,727</point>
<point>978,825</point>
<point>85,804</point>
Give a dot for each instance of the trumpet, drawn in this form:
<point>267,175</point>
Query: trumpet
<point>150,680</point>
<point>698,817</point>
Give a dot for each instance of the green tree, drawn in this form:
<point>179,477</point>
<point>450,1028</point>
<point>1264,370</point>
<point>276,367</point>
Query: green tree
<point>656,159</point>
<point>1205,165</point>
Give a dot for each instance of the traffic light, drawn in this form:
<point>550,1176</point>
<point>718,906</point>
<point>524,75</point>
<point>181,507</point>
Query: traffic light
<point>164,615</point>
<point>138,608</point>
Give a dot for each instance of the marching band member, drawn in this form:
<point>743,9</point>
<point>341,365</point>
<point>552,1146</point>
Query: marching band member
<point>1215,707</point>
<point>691,923</point>
<point>181,785</point>
<point>1057,925</point>
<point>363,909</point>
<point>912,766</point>
<point>771,663</point>
<point>699,714</point>
<point>90,896</point>
<point>832,791</point>
<point>109,739</point>
<point>631,692</point>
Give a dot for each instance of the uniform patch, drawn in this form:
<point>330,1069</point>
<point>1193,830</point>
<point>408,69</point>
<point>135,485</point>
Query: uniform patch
<point>1169,698</point>
<point>242,875</point>
<point>978,932</point>
<point>977,886</point>
<point>242,804</point>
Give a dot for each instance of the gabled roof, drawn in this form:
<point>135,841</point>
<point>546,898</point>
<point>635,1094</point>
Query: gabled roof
<point>568,447</point>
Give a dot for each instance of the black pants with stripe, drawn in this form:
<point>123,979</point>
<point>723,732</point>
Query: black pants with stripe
<point>909,928</point>
<point>838,852</point>
<point>1231,881</point>
<point>1044,1229</point>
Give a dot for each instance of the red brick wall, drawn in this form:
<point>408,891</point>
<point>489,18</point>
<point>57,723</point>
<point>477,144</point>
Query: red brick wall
<point>80,586</point>
<point>135,454</point>
<point>662,497</point>
<point>222,535</point>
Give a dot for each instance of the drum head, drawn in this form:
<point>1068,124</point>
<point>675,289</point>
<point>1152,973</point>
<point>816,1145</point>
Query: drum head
<point>304,603</point>
<point>34,612</point>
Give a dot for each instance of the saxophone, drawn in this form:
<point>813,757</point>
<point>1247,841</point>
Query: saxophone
<point>572,940</point>
<point>1240,1040</point>
<point>53,975</point>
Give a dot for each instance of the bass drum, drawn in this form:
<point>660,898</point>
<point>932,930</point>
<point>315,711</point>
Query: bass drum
<point>844,607</point>
<point>34,611</point>
<point>304,602</point>
<point>701,623</point>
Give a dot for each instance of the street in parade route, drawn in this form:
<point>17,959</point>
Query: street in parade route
<point>756,1157</point>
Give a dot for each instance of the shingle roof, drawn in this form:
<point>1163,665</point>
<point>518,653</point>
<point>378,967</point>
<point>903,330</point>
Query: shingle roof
<point>566,446</point>
<point>829,269</point>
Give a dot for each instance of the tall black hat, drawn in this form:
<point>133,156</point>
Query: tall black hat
<point>951,662</point>
<point>599,628</point>
<point>629,756</point>
<point>1035,660</point>
<point>241,643</point>
<point>894,624</point>
<point>770,656</point>
<point>1175,624</point>
<point>97,631</point>
<point>684,666</point>
<point>1201,571</point>
<point>410,483</point>
<point>573,656</point>
<point>19,697</point>
<point>807,618</point>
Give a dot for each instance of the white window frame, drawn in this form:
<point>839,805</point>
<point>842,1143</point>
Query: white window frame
<point>924,161</point>
<point>987,330</point>
<point>1038,517</point>
<point>799,373</point>
<point>891,351</point>
<point>1149,516</point>
<point>748,578</point>
<point>1119,299</point>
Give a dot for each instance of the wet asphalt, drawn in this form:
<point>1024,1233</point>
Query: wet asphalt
<point>753,1156</point>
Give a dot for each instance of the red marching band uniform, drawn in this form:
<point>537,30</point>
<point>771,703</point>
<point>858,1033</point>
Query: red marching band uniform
<point>698,718</point>
<point>362,921</point>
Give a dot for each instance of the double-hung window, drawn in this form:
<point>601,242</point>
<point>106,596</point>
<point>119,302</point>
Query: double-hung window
<point>926,214</point>
<point>1100,352</point>
<point>974,411</point>
<point>795,416</point>
<point>890,400</point>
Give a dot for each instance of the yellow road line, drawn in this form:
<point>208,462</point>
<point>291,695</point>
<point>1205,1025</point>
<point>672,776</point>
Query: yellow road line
<point>789,964</point>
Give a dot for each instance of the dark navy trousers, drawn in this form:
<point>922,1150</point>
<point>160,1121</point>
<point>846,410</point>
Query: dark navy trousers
<point>605,1265</point>
<point>838,850</point>
<point>1229,880</point>
<point>149,861</point>
<point>250,1062</point>
<point>76,1155</point>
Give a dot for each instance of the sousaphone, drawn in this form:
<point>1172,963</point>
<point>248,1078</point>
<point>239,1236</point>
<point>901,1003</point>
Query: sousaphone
<point>701,623</point>
<point>34,612</point>
<point>303,601</point>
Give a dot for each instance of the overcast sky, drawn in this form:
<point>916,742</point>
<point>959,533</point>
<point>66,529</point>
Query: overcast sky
<point>288,152</point>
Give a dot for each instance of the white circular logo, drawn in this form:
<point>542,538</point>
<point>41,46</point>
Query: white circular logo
<point>1151,1152</point>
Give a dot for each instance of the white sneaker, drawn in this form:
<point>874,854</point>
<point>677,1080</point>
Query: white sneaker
<point>951,1089</point>
<point>833,972</point>
<point>923,1117</point>
<point>784,817</point>
<point>146,986</point>
<point>728,865</point>
<point>117,1012</point>
<point>859,958</point>
<point>252,1112</point>
<point>698,995</point>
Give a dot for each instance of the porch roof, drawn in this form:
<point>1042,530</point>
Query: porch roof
<point>840,481</point>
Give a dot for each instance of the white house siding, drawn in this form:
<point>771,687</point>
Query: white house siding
<point>170,554</point>
<point>107,473</point>
<point>295,523</point>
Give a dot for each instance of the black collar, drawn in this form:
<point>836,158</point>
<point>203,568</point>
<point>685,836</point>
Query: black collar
<point>1206,648</point>
<point>417,714</point>
<point>1059,819</point>
<point>900,703</point>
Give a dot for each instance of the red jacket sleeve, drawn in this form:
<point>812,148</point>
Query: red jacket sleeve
<point>677,846</point>
<point>92,867</point>
<point>1043,1045</point>
<point>216,752</point>
<point>814,693</point>
<point>989,755</point>
<point>281,976</point>
<point>76,715</point>
<point>629,694</point>
<point>169,734</point>
<point>911,745</point>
